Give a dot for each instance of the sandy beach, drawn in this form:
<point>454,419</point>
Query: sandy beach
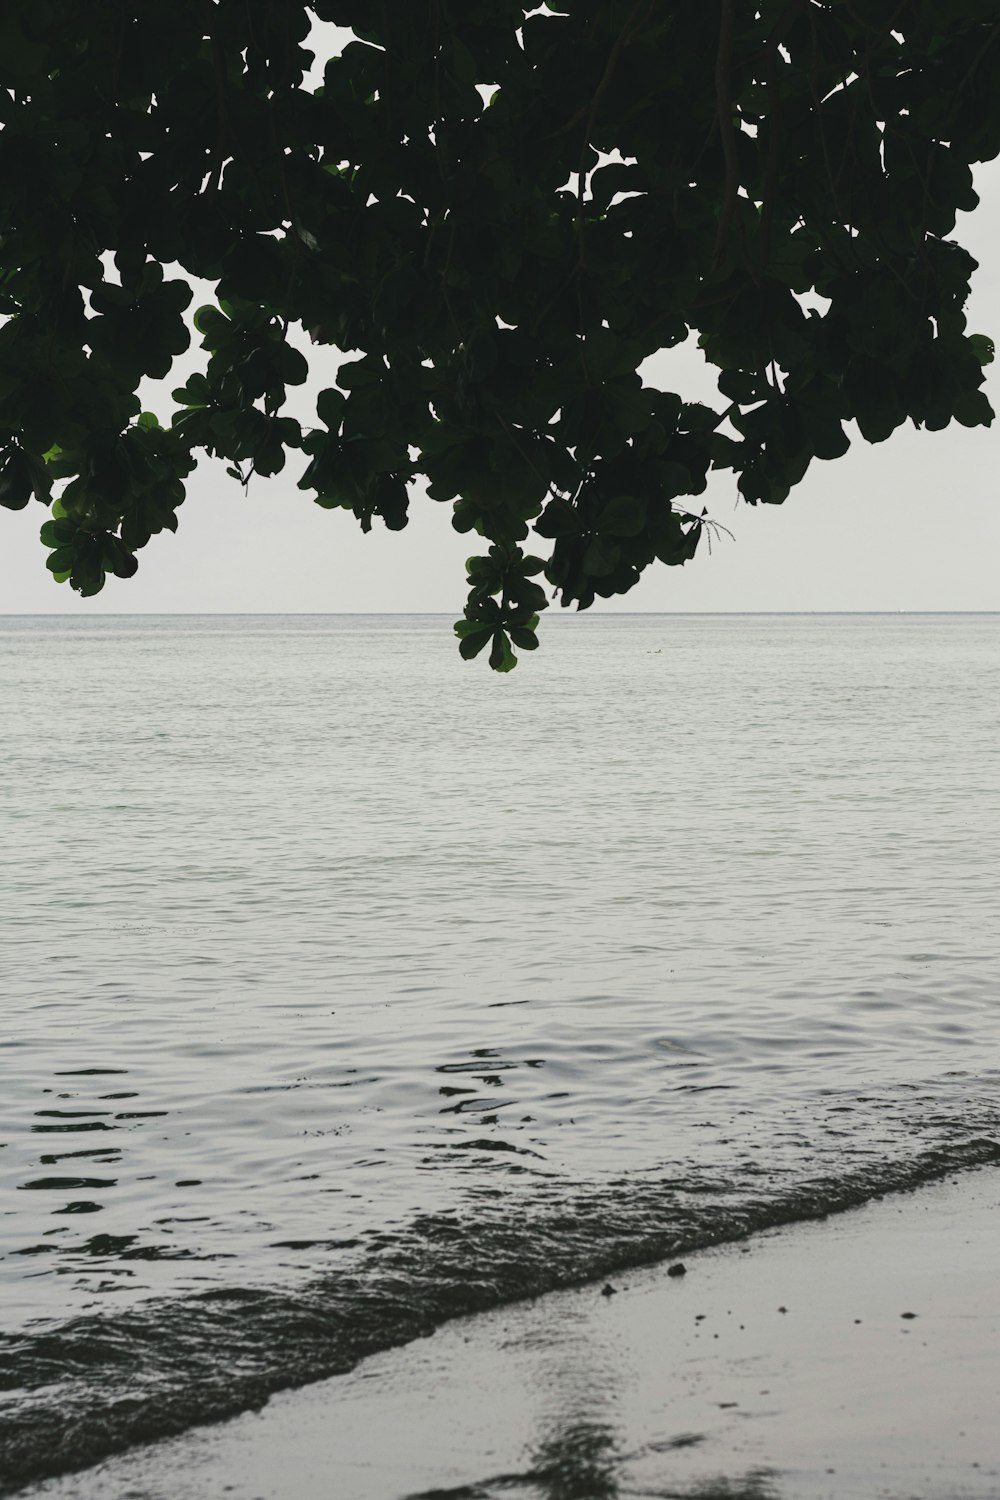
<point>854,1357</point>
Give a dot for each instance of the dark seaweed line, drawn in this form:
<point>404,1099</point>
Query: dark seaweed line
<point>103,1384</point>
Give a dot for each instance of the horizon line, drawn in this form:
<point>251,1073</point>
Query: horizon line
<point>319,614</point>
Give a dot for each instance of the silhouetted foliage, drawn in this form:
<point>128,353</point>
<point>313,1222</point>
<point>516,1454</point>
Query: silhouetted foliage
<point>498,216</point>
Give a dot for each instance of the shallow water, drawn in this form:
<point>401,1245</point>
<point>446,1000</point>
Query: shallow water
<point>355,980</point>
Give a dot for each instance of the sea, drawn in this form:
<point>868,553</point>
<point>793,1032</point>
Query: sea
<point>348,987</point>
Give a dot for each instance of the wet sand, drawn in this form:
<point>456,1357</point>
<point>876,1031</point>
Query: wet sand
<point>849,1359</point>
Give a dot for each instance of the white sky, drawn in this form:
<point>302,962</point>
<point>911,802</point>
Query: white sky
<point>911,524</point>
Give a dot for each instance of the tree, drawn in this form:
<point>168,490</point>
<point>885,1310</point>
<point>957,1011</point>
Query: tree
<point>498,216</point>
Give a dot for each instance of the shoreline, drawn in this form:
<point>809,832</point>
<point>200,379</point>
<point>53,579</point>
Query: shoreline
<point>784,1366</point>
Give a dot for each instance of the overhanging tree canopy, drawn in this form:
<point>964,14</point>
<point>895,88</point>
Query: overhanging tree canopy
<point>497,216</point>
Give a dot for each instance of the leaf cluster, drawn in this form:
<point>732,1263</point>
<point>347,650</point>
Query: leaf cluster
<point>497,215</point>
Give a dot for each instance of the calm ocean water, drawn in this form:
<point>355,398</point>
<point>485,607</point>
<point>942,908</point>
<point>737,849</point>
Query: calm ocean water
<point>347,986</point>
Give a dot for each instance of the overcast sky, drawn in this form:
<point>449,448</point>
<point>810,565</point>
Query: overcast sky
<point>911,524</point>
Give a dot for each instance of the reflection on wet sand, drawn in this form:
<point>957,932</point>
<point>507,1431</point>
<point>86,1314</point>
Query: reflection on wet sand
<point>582,1461</point>
<point>578,1462</point>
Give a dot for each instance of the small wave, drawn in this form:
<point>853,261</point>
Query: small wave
<point>97,1385</point>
